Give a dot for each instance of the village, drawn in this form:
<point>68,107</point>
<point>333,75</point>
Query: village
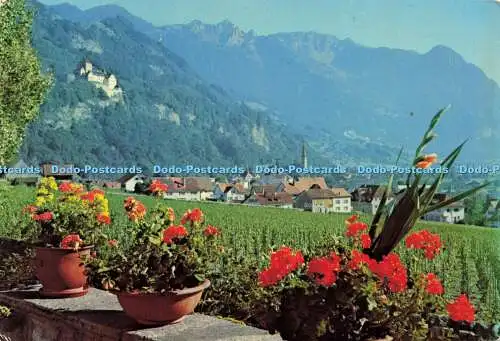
<point>269,190</point>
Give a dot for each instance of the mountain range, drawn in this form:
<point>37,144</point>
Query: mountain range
<point>166,114</point>
<point>351,103</point>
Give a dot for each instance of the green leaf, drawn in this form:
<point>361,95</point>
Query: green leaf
<point>456,198</point>
<point>199,277</point>
<point>372,304</point>
<point>103,269</point>
<point>154,240</point>
<point>428,136</point>
<point>380,209</point>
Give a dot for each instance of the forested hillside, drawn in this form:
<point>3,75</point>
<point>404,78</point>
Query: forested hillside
<point>167,114</point>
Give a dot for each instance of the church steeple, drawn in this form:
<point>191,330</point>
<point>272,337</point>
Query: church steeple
<point>303,156</point>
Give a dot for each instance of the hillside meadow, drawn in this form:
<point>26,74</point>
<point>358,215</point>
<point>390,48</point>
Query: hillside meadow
<point>470,262</point>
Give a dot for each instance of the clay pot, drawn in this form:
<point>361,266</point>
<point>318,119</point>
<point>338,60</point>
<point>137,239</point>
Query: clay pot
<point>155,309</point>
<point>61,271</point>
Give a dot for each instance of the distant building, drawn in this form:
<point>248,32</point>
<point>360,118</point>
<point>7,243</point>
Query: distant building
<point>189,188</point>
<point>400,188</point>
<point>219,191</point>
<point>129,181</point>
<point>281,200</point>
<point>303,156</point>
<point>107,82</point>
<point>367,198</point>
<point>235,193</point>
<point>230,192</point>
<point>324,200</point>
<point>57,171</point>
<point>451,214</point>
<point>274,179</point>
<point>296,186</point>
<point>112,184</point>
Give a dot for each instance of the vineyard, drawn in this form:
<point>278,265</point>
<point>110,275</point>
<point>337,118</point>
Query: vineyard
<point>469,263</point>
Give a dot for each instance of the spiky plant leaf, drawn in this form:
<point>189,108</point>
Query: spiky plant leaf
<point>454,199</point>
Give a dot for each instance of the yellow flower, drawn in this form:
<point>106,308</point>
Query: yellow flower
<point>43,191</point>
<point>52,184</point>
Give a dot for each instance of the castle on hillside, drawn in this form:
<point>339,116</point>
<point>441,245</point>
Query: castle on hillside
<point>107,82</point>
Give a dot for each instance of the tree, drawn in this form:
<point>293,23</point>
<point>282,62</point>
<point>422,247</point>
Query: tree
<point>475,210</point>
<point>22,85</point>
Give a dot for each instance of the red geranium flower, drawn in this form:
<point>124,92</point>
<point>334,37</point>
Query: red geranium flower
<point>103,218</point>
<point>461,309</point>
<point>366,241</point>
<point>433,285</point>
<point>157,187</point>
<point>283,261</point>
<point>390,270</point>
<point>425,240</point>
<point>135,209</point>
<point>211,231</point>
<point>355,228</point>
<point>324,270</point>
<point>44,217</point>
<point>97,191</point>
<point>194,216</point>
<point>113,242</point>
<point>352,219</point>
<point>90,196</point>
<point>30,209</point>
<point>71,241</point>
<point>358,258</point>
<point>174,232</point>
<point>65,187</point>
<point>68,187</point>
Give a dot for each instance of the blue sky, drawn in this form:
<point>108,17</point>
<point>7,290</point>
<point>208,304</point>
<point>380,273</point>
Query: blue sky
<point>470,27</point>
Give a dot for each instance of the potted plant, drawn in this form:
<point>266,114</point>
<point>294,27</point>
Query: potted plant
<point>160,275</point>
<point>65,222</point>
<point>360,289</point>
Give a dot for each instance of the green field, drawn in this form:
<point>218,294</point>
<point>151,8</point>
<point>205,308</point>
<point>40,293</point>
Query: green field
<point>470,262</point>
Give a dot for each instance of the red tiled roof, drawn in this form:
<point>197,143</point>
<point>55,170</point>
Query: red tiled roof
<point>318,193</point>
<point>223,187</point>
<point>189,184</point>
<point>303,184</point>
<point>340,192</point>
<point>264,188</point>
<point>280,198</point>
<point>238,187</point>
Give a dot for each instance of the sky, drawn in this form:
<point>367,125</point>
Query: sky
<point>470,27</point>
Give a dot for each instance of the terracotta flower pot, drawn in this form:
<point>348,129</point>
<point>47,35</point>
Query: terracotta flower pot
<point>154,309</point>
<point>61,271</point>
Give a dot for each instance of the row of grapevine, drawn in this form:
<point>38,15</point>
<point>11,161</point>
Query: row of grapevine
<point>469,263</point>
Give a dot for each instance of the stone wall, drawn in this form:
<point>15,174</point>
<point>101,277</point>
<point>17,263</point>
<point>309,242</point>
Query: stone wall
<point>99,317</point>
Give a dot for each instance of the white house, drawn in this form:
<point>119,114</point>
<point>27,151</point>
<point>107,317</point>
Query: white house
<point>129,181</point>
<point>451,214</point>
<point>219,191</point>
<point>235,193</point>
<point>324,200</point>
<point>230,192</point>
<point>189,188</point>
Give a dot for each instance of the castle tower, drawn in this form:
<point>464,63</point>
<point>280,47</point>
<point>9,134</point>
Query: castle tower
<point>88,66</point>
<point>111,82</point>
<point>303,156</point>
